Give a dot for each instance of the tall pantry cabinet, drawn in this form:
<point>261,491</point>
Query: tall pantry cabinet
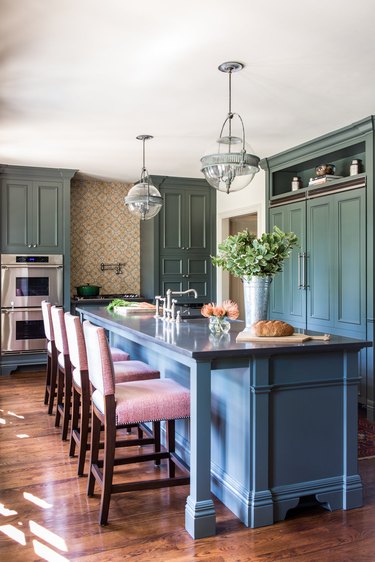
<point>177,244</point>
<point>328,283</point>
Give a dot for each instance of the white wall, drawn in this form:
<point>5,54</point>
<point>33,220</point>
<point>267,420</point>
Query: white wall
<point>252,199</point>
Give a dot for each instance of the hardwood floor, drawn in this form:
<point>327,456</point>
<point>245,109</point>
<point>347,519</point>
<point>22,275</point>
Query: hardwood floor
<point>46,515</point>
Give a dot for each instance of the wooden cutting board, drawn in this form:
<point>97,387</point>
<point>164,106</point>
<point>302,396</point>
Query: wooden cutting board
<point>294,338</point>
<point>134,309</point>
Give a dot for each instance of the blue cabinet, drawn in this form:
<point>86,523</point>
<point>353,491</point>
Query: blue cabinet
<point>323,286</point>
<point>328,283</point>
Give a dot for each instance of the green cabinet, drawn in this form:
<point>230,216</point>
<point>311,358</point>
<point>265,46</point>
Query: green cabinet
<point>328,283</point>
<point>177,244</point>
<point>34,202</point>
<point>323,284</point>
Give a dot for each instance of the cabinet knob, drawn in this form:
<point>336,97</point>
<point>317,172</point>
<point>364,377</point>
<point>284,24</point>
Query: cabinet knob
<point>34,245</point>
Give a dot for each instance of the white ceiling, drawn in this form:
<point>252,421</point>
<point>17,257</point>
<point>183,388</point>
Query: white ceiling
<point>80,79</point>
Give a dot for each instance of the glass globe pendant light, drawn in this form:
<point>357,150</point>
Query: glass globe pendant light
<point>229,167</point>
<point>144,199</point>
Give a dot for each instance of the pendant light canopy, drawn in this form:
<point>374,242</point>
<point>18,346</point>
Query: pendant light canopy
<point>144,199</point>
<point>229,167</point>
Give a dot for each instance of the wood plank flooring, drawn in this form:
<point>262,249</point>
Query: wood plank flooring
<point>46,515</point>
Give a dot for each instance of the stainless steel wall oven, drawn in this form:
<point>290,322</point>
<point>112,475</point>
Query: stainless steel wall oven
<point>26,280</point>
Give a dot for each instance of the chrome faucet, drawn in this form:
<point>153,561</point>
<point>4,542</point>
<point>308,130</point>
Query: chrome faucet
<point>169,304</point>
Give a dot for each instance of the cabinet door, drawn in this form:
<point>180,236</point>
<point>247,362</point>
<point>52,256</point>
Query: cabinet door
<point>288,297</point>
<point>185,222</point>
<point>350,272</point>
<point>32,216</point>
<point>196,237</point>
<point>320,264</point>
<point>16,216</point>
<point>182,273</point>
<point>48,216</point>
<point>172,223</point>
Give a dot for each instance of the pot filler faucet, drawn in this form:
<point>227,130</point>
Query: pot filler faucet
<point>169,304</point>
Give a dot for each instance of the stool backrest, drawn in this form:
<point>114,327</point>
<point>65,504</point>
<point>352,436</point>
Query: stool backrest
<point>47,320</point>
<point>61,340</point>
<point>99,359</point>
<point>76,342</point>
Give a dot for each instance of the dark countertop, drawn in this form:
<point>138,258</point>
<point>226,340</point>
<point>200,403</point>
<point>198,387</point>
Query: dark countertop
<point>192,338</point>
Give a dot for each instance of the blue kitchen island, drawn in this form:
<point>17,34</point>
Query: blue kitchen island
<point>271,424</point>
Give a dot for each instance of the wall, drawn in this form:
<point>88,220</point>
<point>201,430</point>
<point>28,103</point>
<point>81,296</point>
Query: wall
<point>103,230</point>
<point>252,199</point>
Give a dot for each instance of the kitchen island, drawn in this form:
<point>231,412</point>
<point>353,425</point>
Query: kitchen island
<point>271,424</point>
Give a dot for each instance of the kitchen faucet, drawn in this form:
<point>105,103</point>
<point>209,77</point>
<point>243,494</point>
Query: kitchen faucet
<point>169,304</point>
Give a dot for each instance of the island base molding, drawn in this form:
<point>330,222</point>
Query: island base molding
<point>200,519</point>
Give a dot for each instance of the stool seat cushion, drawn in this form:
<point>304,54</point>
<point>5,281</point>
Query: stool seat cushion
<point>118,355</point>
<point>132,370</point>
<point>152,400</point>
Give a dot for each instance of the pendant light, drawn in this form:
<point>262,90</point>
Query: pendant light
<point>144,199</point>
<point>229,167</point>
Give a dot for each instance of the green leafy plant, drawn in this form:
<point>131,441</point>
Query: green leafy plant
<point>244,255</point>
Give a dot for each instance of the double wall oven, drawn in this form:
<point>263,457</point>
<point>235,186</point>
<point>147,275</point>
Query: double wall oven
<point>26,280</point>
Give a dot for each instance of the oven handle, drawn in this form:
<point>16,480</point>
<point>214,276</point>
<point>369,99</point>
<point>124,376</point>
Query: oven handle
<point>32,266</point>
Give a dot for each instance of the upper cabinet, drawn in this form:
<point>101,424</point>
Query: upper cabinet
<point>177,244</point>
<point>35,209</point>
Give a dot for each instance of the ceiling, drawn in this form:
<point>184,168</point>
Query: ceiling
<point>80,79</point>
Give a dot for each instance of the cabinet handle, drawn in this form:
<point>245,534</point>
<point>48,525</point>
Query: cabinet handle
<point>29,245</point>
<point>300,286</point>
<point>305,283</point>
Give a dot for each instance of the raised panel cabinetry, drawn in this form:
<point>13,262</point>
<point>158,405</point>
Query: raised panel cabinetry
<point>327,285</point>
<point>34,214</point>
<point>176,246</point>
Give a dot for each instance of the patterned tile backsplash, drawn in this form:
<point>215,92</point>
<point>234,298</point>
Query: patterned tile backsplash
<point>103,231</point>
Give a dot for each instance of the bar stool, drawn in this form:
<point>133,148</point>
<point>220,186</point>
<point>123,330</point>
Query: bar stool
<point>124,371</point>
<point>50,390</point>
<point>64,371</point>
<point>115,405</point>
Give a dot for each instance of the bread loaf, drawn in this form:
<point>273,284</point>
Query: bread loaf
<point>271,328</point>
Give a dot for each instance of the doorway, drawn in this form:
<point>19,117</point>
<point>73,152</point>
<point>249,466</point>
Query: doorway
<point>237,224</point>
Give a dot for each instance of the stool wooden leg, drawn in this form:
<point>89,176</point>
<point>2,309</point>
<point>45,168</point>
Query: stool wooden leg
<point>171,447</point>
<point>94,451</point>
<point>75,421</point>
<point>60,394</point>
<point>156,433</point>
<point>84,431</point>
<point>67,403</point>
<point>48,379</point>
<point>53,379</point>
<point>109,457</point>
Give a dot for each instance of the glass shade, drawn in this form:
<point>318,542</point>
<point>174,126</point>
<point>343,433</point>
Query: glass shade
<point>144,200</point>
<point>228,167</point>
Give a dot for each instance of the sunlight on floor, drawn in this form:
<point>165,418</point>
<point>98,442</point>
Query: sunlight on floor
<point>2,421</point>
<point>22,435</point>
<point>5,511</point>
<point>37,501</point>
<point>43,533</point>
<point>15,415</point>
<point>47,553</point>
<point>14,533</point>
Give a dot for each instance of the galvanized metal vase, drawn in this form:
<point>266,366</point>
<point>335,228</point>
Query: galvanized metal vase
<point>256,297</point>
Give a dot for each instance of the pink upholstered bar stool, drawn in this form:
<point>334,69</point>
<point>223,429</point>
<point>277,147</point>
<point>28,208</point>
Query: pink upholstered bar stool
<point>64,371</point>
<point>115,405</point>
<point>50,390</point>
<point>124,371</point>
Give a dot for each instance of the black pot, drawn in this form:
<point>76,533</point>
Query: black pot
<point>88,290</point>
